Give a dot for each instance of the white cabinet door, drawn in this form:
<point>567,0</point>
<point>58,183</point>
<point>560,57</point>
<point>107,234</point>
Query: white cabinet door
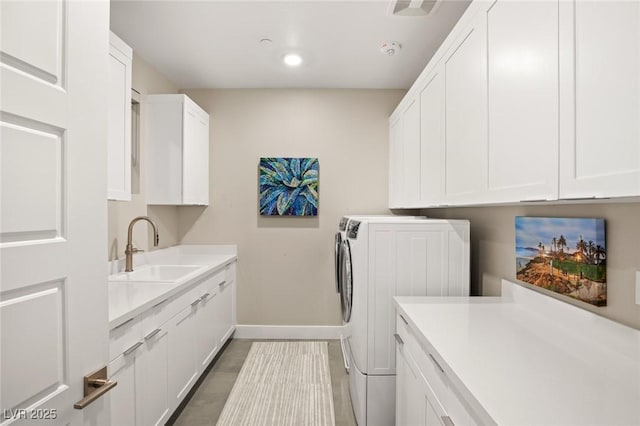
<point>411,154</point>
<point>432,140</point>
<point>226,311</point>
<point>395,164</point>
<point>183,365</point>
<point>466,117</point>
<point>152,379</point>
<point>410,397</point>
<point>207,338</point>
<point>123,397</point>
<point>195,156</point>
<point>600,99</point>
<point>178,151</point>
<point>119,119</point>
<point>523,100</point>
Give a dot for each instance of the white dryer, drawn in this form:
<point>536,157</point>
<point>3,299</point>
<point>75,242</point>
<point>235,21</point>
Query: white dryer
<point>342,263</point>
<point>382,259</point>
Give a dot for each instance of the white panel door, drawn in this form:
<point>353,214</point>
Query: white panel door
<point>523,100</point>
<point>466,117</point>
<point>432,140</point>
<point>395,164</point>
<point>411,154</point>
<point>53,284</point>
<point>600,99</point>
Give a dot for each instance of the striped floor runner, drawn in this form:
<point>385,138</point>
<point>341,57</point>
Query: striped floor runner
<point>282,383</point>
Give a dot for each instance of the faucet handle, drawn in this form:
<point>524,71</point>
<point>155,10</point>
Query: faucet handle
<point>136,250</point>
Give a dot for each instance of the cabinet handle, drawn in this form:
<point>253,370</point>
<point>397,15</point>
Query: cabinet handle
<point>223,282</point>
<point>535,200</point>
<point>204,296</point>
<point>398,339</point>
<point>593,197</point>
<point>404,320</point>
<point>159,303</point>
<point>195,302</point>
<point>446,420</point>
<point>132,348</point>
<point>436,363</point>
<point>153,333</point>
<point>123,324</point>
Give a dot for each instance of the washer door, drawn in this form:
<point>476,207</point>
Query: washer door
<point>346,278</point>
<point>337,247</point>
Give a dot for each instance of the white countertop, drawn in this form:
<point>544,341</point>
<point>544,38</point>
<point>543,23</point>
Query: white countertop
<point>128,299</point>
<point>531,359</point>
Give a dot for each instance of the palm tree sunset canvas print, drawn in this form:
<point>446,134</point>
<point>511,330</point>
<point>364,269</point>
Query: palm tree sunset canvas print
<point>564,255</point>
<point>288,186</point>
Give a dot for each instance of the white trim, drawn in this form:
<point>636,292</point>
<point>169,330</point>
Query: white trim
<point>298,332</point>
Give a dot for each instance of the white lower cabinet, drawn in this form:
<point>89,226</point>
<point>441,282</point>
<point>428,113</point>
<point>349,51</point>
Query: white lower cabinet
<point>410,407</point>
<point>182,354</point>
<point>123,396</point>
<point>424,393</point>
<point>158,356</point>
<point>152,379</point>
<point>206,317</point>
<point>227,302</point>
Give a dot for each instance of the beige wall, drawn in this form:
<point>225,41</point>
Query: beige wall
<point>285,270</point>
<point>493,249</point>
<point>145,80</point>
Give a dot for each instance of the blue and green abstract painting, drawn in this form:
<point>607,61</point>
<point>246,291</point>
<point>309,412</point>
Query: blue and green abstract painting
<point>288,186</point>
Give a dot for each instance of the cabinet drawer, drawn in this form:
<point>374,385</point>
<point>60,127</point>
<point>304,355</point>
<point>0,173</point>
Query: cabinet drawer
<point>124,336</point>
<point>160,313</point>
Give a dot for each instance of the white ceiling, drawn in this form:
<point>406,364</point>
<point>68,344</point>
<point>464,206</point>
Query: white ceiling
<point>216,44</point>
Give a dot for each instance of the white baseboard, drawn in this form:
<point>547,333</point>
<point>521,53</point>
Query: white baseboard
<point>297,332</point>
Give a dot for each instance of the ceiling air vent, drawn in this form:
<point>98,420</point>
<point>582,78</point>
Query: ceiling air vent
<point>413,7</point>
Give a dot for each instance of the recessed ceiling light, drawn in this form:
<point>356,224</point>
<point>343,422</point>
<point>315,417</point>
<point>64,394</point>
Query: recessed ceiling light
<point>292,59</point>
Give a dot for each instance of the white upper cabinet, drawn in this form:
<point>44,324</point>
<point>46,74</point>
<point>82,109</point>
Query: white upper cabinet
<point>119,118</point>
<point>600,99</point>
<point>411,154</point>
<point>178,147</point>
<point>465,67</point>
<point>523,130</point>
<point>524,101</point>
<point>395,163</point>
<point>432,140</point>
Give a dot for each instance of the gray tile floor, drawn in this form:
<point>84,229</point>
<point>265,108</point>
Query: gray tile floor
<point>207,402</point>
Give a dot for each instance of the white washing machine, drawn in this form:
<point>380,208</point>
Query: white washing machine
<point>346,292</point>
<point>381,259</point>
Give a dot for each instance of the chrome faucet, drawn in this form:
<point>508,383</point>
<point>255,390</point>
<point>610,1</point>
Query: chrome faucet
<point>130,250</point>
